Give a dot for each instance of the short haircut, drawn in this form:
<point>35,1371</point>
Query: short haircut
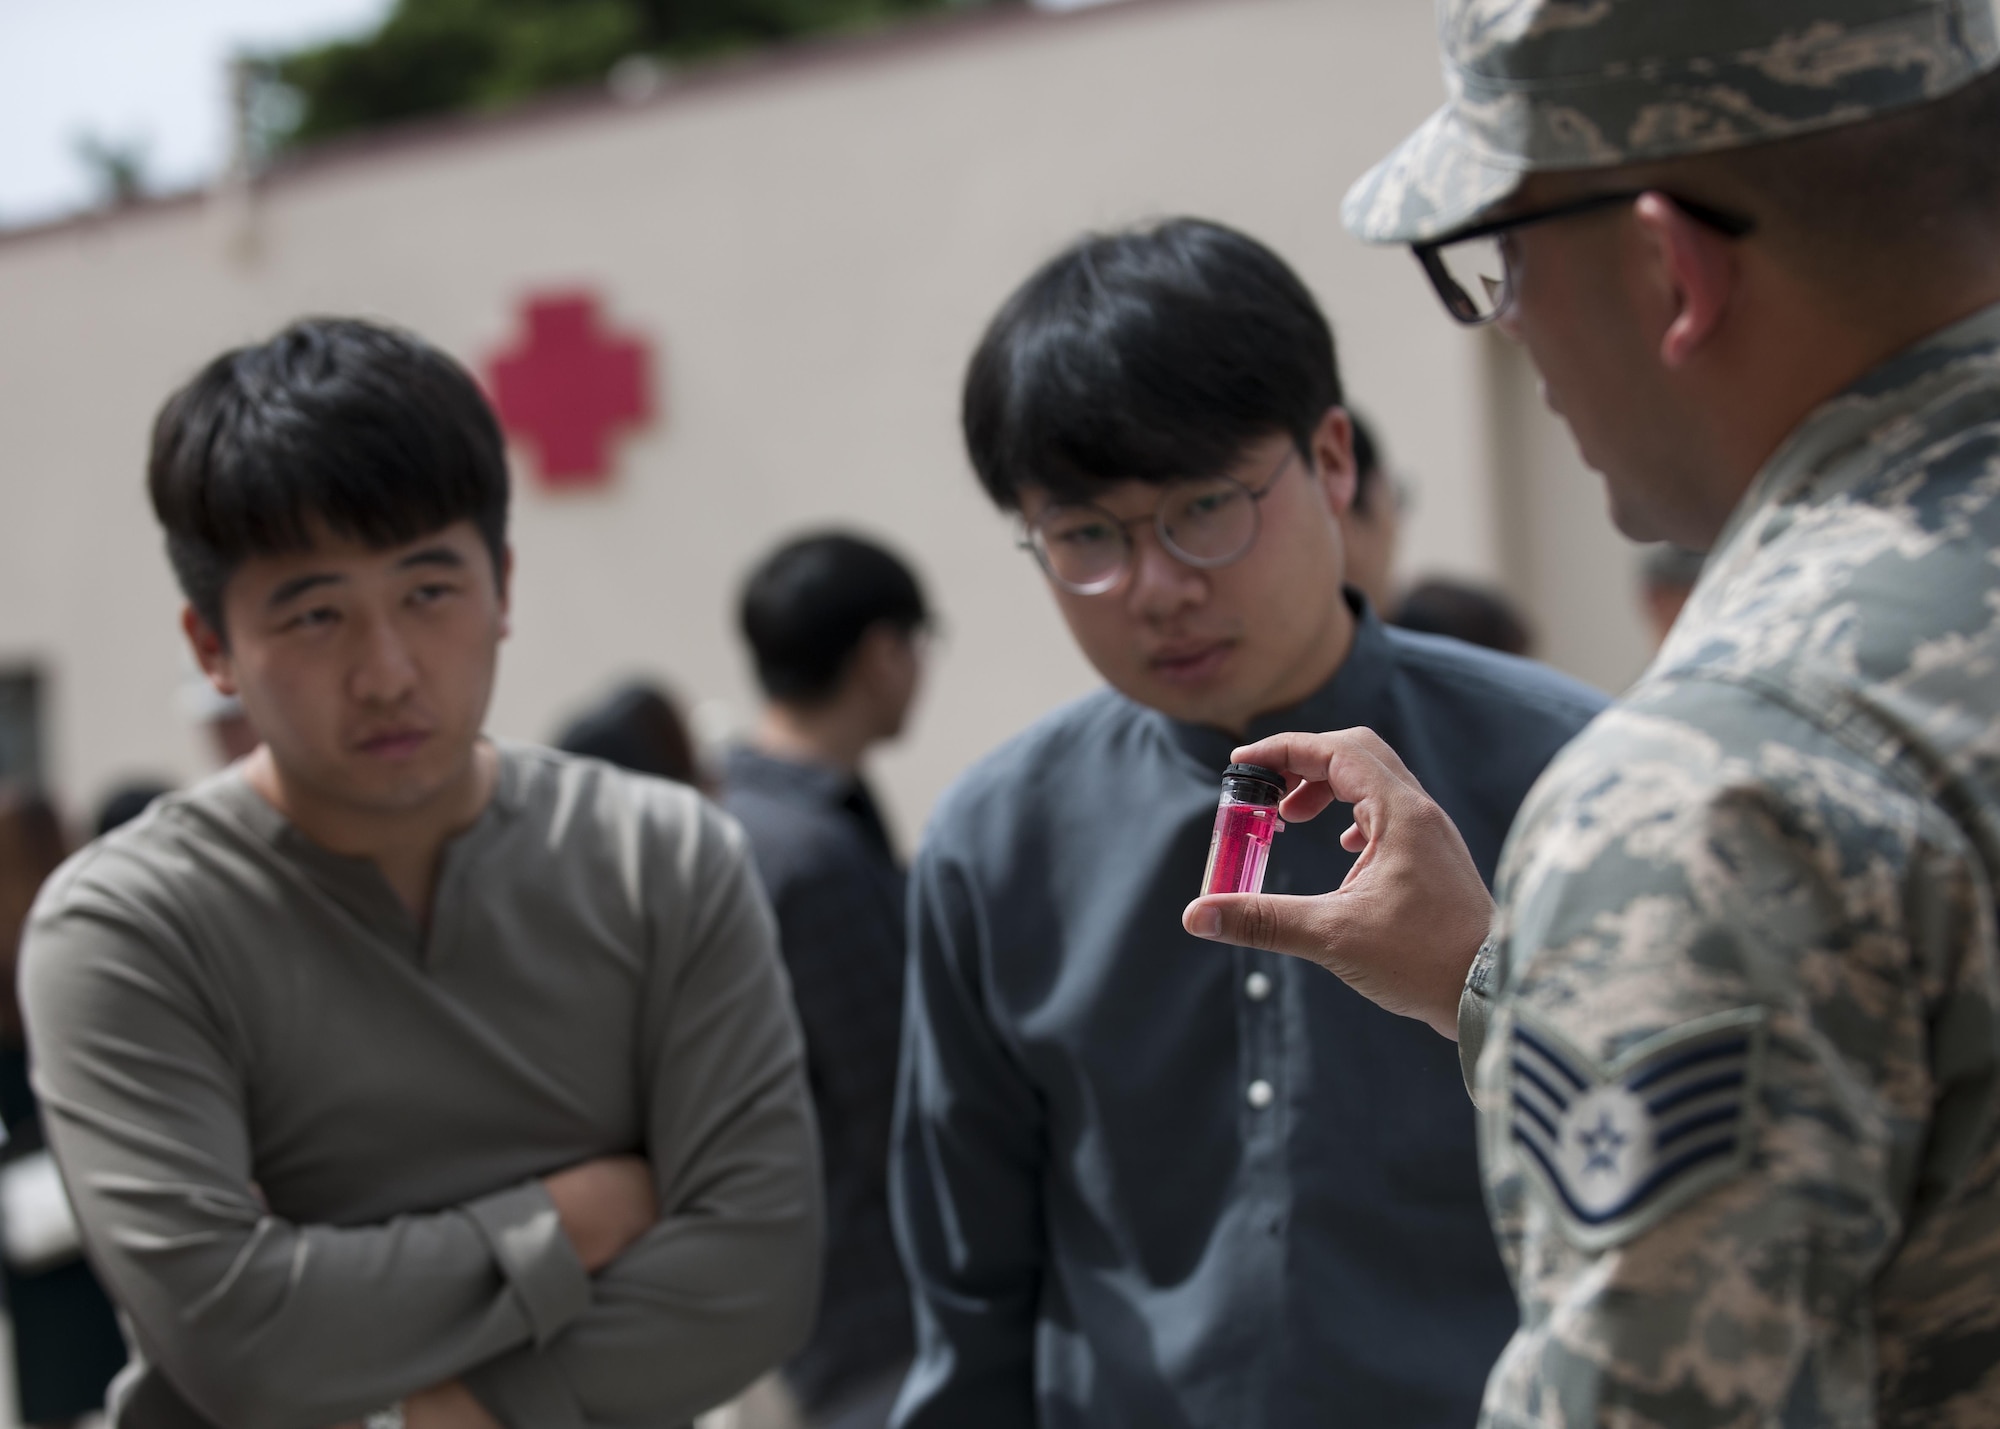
<point>127,802</point>
<point>637,727</point>
<point>1465,612</point>
<point>1148,354</point>
<point>807,605</point>
<point>1863,198</point>
<point>369,432</point>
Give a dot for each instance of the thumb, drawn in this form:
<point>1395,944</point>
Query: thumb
<point>1279,923</point>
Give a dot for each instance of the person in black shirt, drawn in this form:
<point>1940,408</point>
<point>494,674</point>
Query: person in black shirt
<point>835,625</point>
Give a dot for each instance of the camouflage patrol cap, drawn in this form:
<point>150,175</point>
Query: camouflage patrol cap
<point>1576,84</point>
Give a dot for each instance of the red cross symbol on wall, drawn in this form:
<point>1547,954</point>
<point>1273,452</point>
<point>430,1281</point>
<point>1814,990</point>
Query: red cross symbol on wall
<point>565,387</point>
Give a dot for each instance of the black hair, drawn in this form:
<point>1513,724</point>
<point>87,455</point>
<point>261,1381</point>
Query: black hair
<point>368,431</point>
<point>637,727</point>
<point>1465,612</point>
<point>1148,354</point>
<point>127,802</point>
<point>1367,464</point>
<point>807,605</point>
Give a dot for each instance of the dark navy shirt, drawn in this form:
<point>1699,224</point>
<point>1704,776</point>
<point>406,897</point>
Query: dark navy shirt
<point>824,858</point>
<point>1141,1179</point>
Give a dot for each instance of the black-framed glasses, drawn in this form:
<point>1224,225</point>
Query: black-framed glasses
<point>1470,268</point>
<point>1205,522</point>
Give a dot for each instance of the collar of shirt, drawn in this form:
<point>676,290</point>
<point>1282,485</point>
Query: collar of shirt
<point>356,882</point>
<point>1353,696</point>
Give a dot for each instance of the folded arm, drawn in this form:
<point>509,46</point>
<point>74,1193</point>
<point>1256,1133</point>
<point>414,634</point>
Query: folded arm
<point>257,1319</point>
<point>725,1284</point>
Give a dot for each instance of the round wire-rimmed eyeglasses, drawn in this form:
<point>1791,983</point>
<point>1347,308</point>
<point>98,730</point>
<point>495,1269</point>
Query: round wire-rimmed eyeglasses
<point>1471,269</point>
<point>1205,522</point>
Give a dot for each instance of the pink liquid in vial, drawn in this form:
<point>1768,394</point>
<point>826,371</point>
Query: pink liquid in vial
<point>1240,848</point>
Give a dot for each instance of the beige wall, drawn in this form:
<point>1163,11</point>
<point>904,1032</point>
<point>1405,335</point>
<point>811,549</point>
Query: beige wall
<point>814,247</point>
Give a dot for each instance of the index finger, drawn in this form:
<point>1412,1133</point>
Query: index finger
<point>1340,766</point>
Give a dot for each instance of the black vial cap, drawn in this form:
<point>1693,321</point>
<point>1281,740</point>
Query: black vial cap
<point>1253,783</point>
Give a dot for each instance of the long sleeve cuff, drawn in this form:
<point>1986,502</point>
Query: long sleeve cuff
<point>527,1238</point>
<point>1475,1010</point>
<point>524,1390</point>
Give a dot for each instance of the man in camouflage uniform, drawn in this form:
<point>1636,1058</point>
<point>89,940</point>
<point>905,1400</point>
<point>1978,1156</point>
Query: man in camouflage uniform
<point>1734,1028</point>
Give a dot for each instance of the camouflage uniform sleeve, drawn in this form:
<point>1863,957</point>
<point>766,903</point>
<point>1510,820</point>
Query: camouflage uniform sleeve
<point>1742,1044</point>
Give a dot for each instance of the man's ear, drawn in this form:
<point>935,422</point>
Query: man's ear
<point>1332,452</point>
<point>880,658</point>
<point>1696,270</point>
<point>875,653</point>
<point>211,651</point>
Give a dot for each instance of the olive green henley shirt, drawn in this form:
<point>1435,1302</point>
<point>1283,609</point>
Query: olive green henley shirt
<point>303,1134</point>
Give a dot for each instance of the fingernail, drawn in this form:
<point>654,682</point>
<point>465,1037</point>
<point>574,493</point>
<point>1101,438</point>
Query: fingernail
<point>1204,923</point>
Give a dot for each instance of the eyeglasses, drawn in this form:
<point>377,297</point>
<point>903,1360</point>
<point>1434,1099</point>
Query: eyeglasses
<point>1470,268</point>
<point>1205,522</point>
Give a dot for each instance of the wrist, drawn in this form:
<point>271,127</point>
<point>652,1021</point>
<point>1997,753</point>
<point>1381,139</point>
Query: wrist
<point>1467,965</point>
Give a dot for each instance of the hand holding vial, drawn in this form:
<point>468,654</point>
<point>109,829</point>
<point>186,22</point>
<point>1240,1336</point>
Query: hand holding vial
<point>1403,927</point>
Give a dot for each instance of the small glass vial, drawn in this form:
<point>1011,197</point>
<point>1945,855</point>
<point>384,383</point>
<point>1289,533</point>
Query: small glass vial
<point>1245,823</point>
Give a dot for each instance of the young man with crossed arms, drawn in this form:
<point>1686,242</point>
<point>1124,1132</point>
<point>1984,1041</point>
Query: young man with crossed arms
<point>395,1072</point>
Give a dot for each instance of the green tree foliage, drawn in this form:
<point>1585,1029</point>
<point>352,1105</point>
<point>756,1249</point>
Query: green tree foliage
<point>440,56</point>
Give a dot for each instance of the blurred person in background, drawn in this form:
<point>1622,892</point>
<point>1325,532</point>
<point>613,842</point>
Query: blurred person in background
<point>67,1346</point>
<point>1667,576</point>
<point>835,626</point>
<point>126,802</point>
<point>637,727</point>
<point>454,1082</point>
<point>1371,527</point>
<point>1465,612</point>
<point>1135,1184</point>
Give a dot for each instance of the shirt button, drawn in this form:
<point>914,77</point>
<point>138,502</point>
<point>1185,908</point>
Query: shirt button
<point>1257,986</point>
<point>1259,1094</point>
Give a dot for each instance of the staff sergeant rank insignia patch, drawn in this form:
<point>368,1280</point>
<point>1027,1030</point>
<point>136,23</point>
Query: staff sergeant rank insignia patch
<point>1617,1148</point>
